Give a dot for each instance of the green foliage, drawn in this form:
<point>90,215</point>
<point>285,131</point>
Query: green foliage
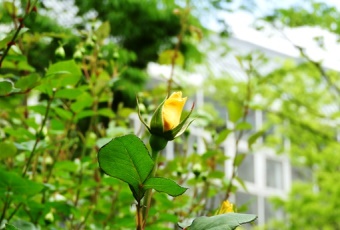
<point>318,14</point>
<point>150,28</point>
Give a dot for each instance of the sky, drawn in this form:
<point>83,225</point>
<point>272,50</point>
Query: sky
<point>241,25</point>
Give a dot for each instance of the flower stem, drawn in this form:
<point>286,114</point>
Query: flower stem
<point>148,193</point>
<point>139,216</point>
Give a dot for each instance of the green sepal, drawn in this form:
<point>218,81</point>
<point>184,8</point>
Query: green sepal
<point>156,124</point>
<point>140,117</point>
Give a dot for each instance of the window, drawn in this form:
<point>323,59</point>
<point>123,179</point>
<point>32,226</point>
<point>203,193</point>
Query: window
<point>270,212</point>
<point>246,203</point>
<point>246,170</point>
<point>274,175</point>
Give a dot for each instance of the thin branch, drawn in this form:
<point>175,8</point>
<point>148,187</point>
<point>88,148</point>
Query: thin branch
<point>39,134</point>
<point>176,50</point>
<point>29,9</point>
<point>321,70</point>
<point>7,203</point>
<point>240,134</point>
<point>317,65</point>
<point>14,211</point>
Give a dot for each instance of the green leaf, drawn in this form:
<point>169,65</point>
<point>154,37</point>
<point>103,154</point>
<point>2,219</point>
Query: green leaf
<point>65,114</point>
<point>11,181</point>
<point>83,101</point>
<point>85,113</point>
<point>127,159</point>
<point>70,94</point>
<point>239,159</point>
<point>8,149</point>
<point>252,139</point>
<point>222,136</point>
<point>227,221</point>
<point>27,82</point>
<point>10,7</point>
<point>234,111</point>
<point>66,166</point>
<point>168,56</point>
<point>63,73</point>
<point>161,184</point>
<point>106,112</point>
<point>20,133</point>
<point>22,225</point>
<point>6,87</point>
<point>243,126</point>
<point>241,182</point>
<point>216,175</point>
<point>103,31</point>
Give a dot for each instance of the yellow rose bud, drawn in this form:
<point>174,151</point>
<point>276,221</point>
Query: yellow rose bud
<point>172,111</point>
<point>226,207</point>
<point>166,124</point>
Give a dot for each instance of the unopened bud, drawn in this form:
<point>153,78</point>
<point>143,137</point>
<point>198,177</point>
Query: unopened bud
<point>78,55</point>
<point>60,52</point>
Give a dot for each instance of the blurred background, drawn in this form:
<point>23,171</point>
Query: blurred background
<point>264,78</point>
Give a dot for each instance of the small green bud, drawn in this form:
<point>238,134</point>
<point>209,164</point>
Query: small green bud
<point>94,38</point>
<point>179,171</point>
<point>115,55</point>
<point>60,52</point>
<point>89,45</point>
<point>197,169</point>
<point>49,218</point>
<point>78,55</point>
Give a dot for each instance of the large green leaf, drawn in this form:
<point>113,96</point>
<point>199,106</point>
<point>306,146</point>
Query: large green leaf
<point>227,221</point>
<point>127,159</point>
<point>161,184</point>
<point>19,186</point>
<point>21,224</point>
